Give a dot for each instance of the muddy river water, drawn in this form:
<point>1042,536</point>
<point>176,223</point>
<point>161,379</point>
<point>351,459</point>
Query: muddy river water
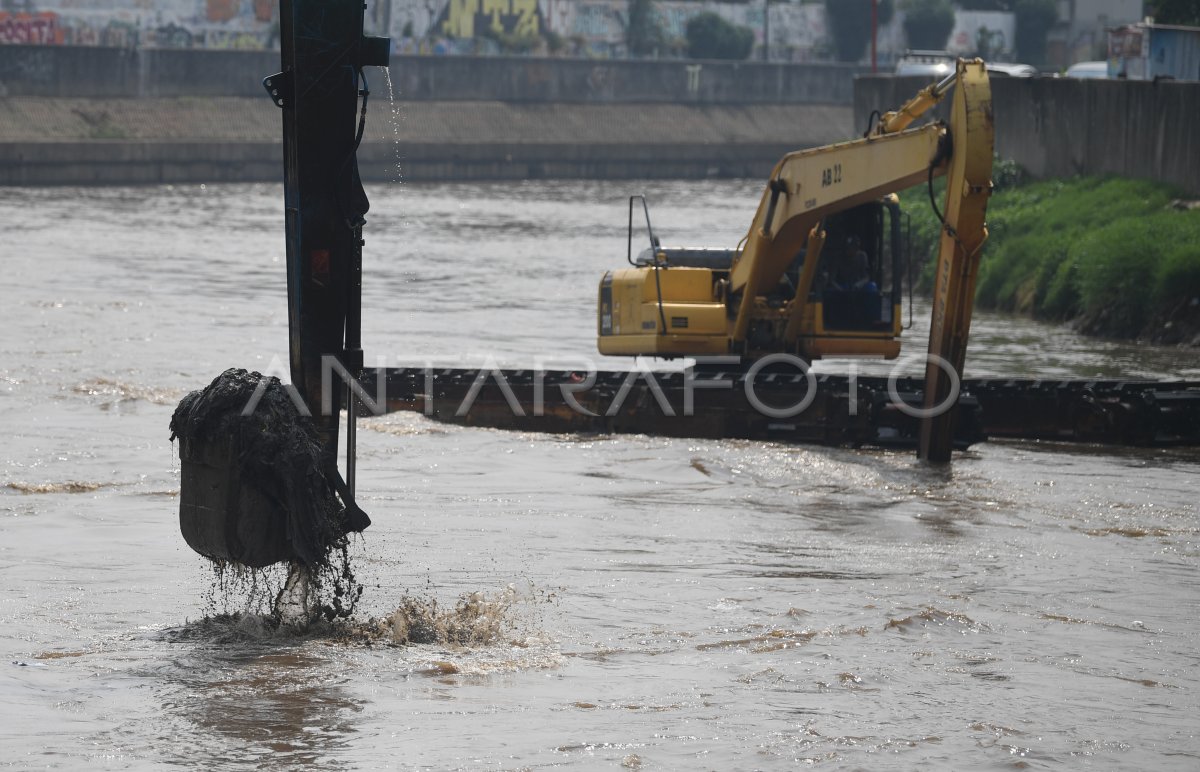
<point>655,603</point>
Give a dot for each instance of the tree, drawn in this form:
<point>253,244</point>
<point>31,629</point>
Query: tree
<point>928,23</point>
<point>1034,20</point>
<point>643,32</point>
<point>1185,12</point>
<point>711,37</point>
<point>850,21</point>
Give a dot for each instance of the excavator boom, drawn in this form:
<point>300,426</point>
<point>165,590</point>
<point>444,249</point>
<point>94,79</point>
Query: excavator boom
<point>810,185</point>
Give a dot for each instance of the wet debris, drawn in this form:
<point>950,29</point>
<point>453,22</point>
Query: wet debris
<point>254,489</point>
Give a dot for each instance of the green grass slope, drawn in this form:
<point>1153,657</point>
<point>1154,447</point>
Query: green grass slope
<point>1119,257</point>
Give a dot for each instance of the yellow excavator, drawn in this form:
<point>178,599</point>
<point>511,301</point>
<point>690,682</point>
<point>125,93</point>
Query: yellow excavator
<point>819,273</point>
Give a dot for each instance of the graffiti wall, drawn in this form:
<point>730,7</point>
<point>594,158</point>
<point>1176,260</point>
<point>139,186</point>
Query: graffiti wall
<point>796,32</point>
<point>155,23</point>
<point>468,18</point>
<point>34,28</point>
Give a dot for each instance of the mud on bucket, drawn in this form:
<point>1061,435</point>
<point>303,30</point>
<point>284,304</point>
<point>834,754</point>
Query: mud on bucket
<point>252,489</point>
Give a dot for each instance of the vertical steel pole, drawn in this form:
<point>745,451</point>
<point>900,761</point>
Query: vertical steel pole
<point>323,53</point>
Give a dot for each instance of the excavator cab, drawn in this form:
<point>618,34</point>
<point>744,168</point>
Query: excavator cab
<point>867,297</point>
<point>676,301</point>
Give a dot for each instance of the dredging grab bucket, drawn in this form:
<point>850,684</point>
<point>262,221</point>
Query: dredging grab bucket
<point>257,487</point>
<point>263,487</point>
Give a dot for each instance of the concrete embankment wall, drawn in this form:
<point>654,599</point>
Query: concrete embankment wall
<point>114,116</point>
<point>1059,127</point>
<point>56,141</point>
<point>57,71</point>
<point>109,115</point>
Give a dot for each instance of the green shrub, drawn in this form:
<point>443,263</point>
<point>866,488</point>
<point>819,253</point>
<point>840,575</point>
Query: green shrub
<point>928,23</point>
<point>1007,174</point>
<point>711,37</point>
<point>643,31</point>
<point>850,25</point>
<point>1186,12</point>
<point>1116,268</point>
<point>1177,279</point>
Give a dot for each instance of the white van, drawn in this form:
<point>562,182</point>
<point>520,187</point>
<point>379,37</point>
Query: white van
<point>1088,70</point>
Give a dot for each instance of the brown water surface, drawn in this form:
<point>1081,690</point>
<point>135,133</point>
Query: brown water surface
<point>656,603</point>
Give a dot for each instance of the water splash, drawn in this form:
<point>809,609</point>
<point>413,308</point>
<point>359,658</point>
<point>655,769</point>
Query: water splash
<point>477,619</point>
<point>291,596</point>
<point>480,620</point>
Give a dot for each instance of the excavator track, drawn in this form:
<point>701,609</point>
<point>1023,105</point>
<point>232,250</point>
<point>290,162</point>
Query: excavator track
<point>835,410</point>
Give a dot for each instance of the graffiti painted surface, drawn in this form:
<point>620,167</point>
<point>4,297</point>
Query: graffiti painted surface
<point>155,23</point>
<point>590,28</point>
<point>797,32</point>
<point>468,18</point>
<point>38,28</point>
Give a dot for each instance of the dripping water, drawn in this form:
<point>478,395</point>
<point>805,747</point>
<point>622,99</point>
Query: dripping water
<point>395,114</point>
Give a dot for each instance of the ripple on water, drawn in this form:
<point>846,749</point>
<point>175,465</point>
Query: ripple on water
<point>935,618</point>
<point>70,486</point>
<point>109,392</point>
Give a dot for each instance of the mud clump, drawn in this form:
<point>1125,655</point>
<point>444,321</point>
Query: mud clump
<point>255,489</point>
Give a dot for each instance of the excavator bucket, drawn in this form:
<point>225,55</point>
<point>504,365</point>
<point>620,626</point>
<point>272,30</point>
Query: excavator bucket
<point>214,505</point>
<point>259,461</point>
<point>255,488</point>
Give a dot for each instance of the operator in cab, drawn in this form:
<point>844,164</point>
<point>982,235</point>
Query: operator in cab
<point>853,270</point>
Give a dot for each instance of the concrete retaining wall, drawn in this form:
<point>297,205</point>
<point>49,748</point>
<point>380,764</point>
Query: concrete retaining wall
<point>135,163</point>
<point>583,80</point>
<point>1052,127</point>
<point>60,71</point>
<point>1060,127</point>
<point>201,139</point>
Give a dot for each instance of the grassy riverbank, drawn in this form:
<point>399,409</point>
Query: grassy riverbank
<point>1117,257</point>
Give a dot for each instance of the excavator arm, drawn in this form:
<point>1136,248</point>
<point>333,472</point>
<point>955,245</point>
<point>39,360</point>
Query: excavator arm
<point>807,186</point>
<point>964,230</point>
